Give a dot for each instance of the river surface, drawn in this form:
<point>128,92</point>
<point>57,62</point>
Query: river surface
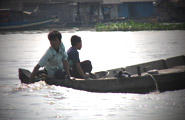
<point>106,50</point>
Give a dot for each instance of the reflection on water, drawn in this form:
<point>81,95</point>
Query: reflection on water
<point>106,50</point>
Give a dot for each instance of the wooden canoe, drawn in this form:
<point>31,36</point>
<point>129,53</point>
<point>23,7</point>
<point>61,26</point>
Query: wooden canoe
<point>170,76</point>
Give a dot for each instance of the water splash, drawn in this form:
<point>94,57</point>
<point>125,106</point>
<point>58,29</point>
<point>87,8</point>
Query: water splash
<point>35,86</point>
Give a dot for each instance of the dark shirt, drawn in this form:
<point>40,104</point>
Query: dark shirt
<point>73,56</point>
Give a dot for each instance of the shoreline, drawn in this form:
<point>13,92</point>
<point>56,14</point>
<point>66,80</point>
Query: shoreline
<point>138,26</point>
<point>111,26</point>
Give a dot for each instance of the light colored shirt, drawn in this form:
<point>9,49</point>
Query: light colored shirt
<point>52,60</point>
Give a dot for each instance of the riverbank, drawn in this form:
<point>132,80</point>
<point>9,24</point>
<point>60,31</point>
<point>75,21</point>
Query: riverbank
<point>138,26</point>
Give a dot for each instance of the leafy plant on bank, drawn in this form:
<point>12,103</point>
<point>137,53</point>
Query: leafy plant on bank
<point>137,26</point>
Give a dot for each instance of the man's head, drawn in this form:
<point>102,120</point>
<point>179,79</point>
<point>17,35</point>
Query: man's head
<point>76,42</point>
<point>53,35</point>
<point>55,39</point>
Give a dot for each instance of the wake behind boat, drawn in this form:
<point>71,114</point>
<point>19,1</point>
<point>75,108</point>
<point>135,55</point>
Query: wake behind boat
<point>161,75</point>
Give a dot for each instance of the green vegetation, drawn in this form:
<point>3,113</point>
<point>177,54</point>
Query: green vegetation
<point>137,26</point>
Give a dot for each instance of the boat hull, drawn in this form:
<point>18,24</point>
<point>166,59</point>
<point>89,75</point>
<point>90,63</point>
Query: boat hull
<point>143,84</point>
<point>139,84</point>
<point>170,76</point>
<point>25,25</point>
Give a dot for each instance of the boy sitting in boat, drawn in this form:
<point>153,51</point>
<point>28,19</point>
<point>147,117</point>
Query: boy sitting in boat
<point>54,60</point>
<point>77,69</point>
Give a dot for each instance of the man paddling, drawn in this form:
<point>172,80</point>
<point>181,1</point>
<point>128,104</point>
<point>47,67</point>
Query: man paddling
<point>54,60</point>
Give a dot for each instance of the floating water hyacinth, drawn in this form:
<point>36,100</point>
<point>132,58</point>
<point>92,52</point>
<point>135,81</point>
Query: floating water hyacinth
<point>137,26</point>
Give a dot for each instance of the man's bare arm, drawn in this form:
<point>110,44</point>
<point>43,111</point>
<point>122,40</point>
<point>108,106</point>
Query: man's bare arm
<point>66,68</point>
<point>79,69</point>
<point>34,72</point>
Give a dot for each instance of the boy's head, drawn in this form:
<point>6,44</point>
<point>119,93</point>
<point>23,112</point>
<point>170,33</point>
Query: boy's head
<point>55,39</point>
<point>53,35</point>
<point>76,42</point>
